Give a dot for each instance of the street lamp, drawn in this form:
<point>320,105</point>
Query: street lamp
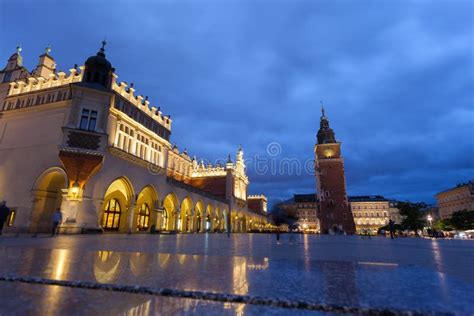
<point>430,219</point>
<point>75,189</point>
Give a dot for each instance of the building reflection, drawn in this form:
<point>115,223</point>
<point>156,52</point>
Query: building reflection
<point>106,266</point>
<point>58,269</point>
<point>438,260</point>
<point>212,273</point>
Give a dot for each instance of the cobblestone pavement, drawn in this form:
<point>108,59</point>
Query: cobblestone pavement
<point>375,274</point>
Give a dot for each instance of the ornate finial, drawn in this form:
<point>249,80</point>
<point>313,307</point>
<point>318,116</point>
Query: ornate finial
<point>229,160</point>
<point>104,42</point>
<point>47,50</point>
<point>240,147</point>
<point>19,49</point>
<point>322,109</point>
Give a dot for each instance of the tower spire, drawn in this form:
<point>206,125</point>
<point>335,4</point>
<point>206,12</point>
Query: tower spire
<point>325,133</point>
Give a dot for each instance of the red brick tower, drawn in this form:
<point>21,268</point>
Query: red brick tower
<point>334,210</point>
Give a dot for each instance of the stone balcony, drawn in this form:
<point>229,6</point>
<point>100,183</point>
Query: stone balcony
<point>82,141</point>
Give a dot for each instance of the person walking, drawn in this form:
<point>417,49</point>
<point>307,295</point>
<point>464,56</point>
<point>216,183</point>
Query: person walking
<point>4,212</point>
<point>391,227</point>
<point>57,219</point>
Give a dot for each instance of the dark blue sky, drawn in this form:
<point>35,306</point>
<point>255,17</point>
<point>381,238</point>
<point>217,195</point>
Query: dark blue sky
<point>396,78</point>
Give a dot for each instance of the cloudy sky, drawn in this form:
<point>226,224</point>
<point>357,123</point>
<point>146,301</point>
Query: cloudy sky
<point>396,79</point>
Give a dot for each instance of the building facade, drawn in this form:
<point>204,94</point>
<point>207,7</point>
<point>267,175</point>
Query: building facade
<point>305,208</point>
<point>373,212</point>
<point>334,211</point>
<point>307,212</point>
<point>459,198</point>
<point>86,143</point>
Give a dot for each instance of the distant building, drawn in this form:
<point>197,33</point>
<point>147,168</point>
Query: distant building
<point>257,204</point>
<point>373,212</point>
<point>305,208</point>
<point>307,211</point>
<point>395,212</point>
<point>459,198</point>
<point>370,212</point>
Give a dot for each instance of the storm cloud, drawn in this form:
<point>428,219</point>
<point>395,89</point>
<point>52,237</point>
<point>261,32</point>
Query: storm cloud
<point>396,79</point>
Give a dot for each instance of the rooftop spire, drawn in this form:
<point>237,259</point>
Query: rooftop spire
<point>102,49</point>
<point>325,133</point>
<point>47,50</point>
<point>19,58</point>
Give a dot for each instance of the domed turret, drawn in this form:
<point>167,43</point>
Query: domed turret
<point>98,70</point>
<point>325,133</point>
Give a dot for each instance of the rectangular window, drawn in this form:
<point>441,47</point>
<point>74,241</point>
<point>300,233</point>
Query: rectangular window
<point>88,120</point>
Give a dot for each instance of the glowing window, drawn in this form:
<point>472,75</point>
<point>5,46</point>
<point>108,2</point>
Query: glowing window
<point>164,220</point>
<point>143,217</point>
<point>111,220</point>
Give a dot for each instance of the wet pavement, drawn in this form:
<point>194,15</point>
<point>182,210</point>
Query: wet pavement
<point>403,274</point>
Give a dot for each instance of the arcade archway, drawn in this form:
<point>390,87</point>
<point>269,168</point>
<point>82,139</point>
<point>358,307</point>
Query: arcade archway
<point>168,216</point>
<point>47,197</point>
<point>117,201</point>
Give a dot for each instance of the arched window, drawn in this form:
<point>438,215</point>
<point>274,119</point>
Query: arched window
<point>164,220</point>
<point>111,221</point>
<point>198,222</point>
<point>143,217</point>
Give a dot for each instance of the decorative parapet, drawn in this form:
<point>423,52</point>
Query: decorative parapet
<point>256,197</point>
<point>200,170</point>
<point>142,103</point>
<point>32,84</point>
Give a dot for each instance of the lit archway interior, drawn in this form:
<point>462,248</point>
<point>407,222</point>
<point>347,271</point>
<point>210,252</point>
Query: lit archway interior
<point>168,216</point>
<point>115,208</point>
<point>47,197</point>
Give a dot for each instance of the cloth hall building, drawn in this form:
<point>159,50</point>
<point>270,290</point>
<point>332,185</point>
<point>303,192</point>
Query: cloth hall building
<point>87,144</point>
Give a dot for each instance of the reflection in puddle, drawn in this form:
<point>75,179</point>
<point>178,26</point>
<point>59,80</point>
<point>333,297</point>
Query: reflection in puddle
<point>106,266</point>
<point>303,278</point>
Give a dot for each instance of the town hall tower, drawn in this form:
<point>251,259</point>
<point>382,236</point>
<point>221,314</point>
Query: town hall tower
<point>334,212</point>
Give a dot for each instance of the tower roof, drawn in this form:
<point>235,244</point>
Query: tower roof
<point>325,134</point>
<point>16,57</point>
<point>99,61</point>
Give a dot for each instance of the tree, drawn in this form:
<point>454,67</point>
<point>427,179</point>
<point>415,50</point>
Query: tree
<point>283,215</point>
<point>463,220</point>
<point>443,224</point>
<point>413,217</point>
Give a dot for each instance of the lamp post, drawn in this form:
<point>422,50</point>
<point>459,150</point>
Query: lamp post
<point>430,220</point>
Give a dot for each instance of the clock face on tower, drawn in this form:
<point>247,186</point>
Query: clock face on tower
<point>328,153</point>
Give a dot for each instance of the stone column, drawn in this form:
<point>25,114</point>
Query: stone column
<point>131,217</point>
